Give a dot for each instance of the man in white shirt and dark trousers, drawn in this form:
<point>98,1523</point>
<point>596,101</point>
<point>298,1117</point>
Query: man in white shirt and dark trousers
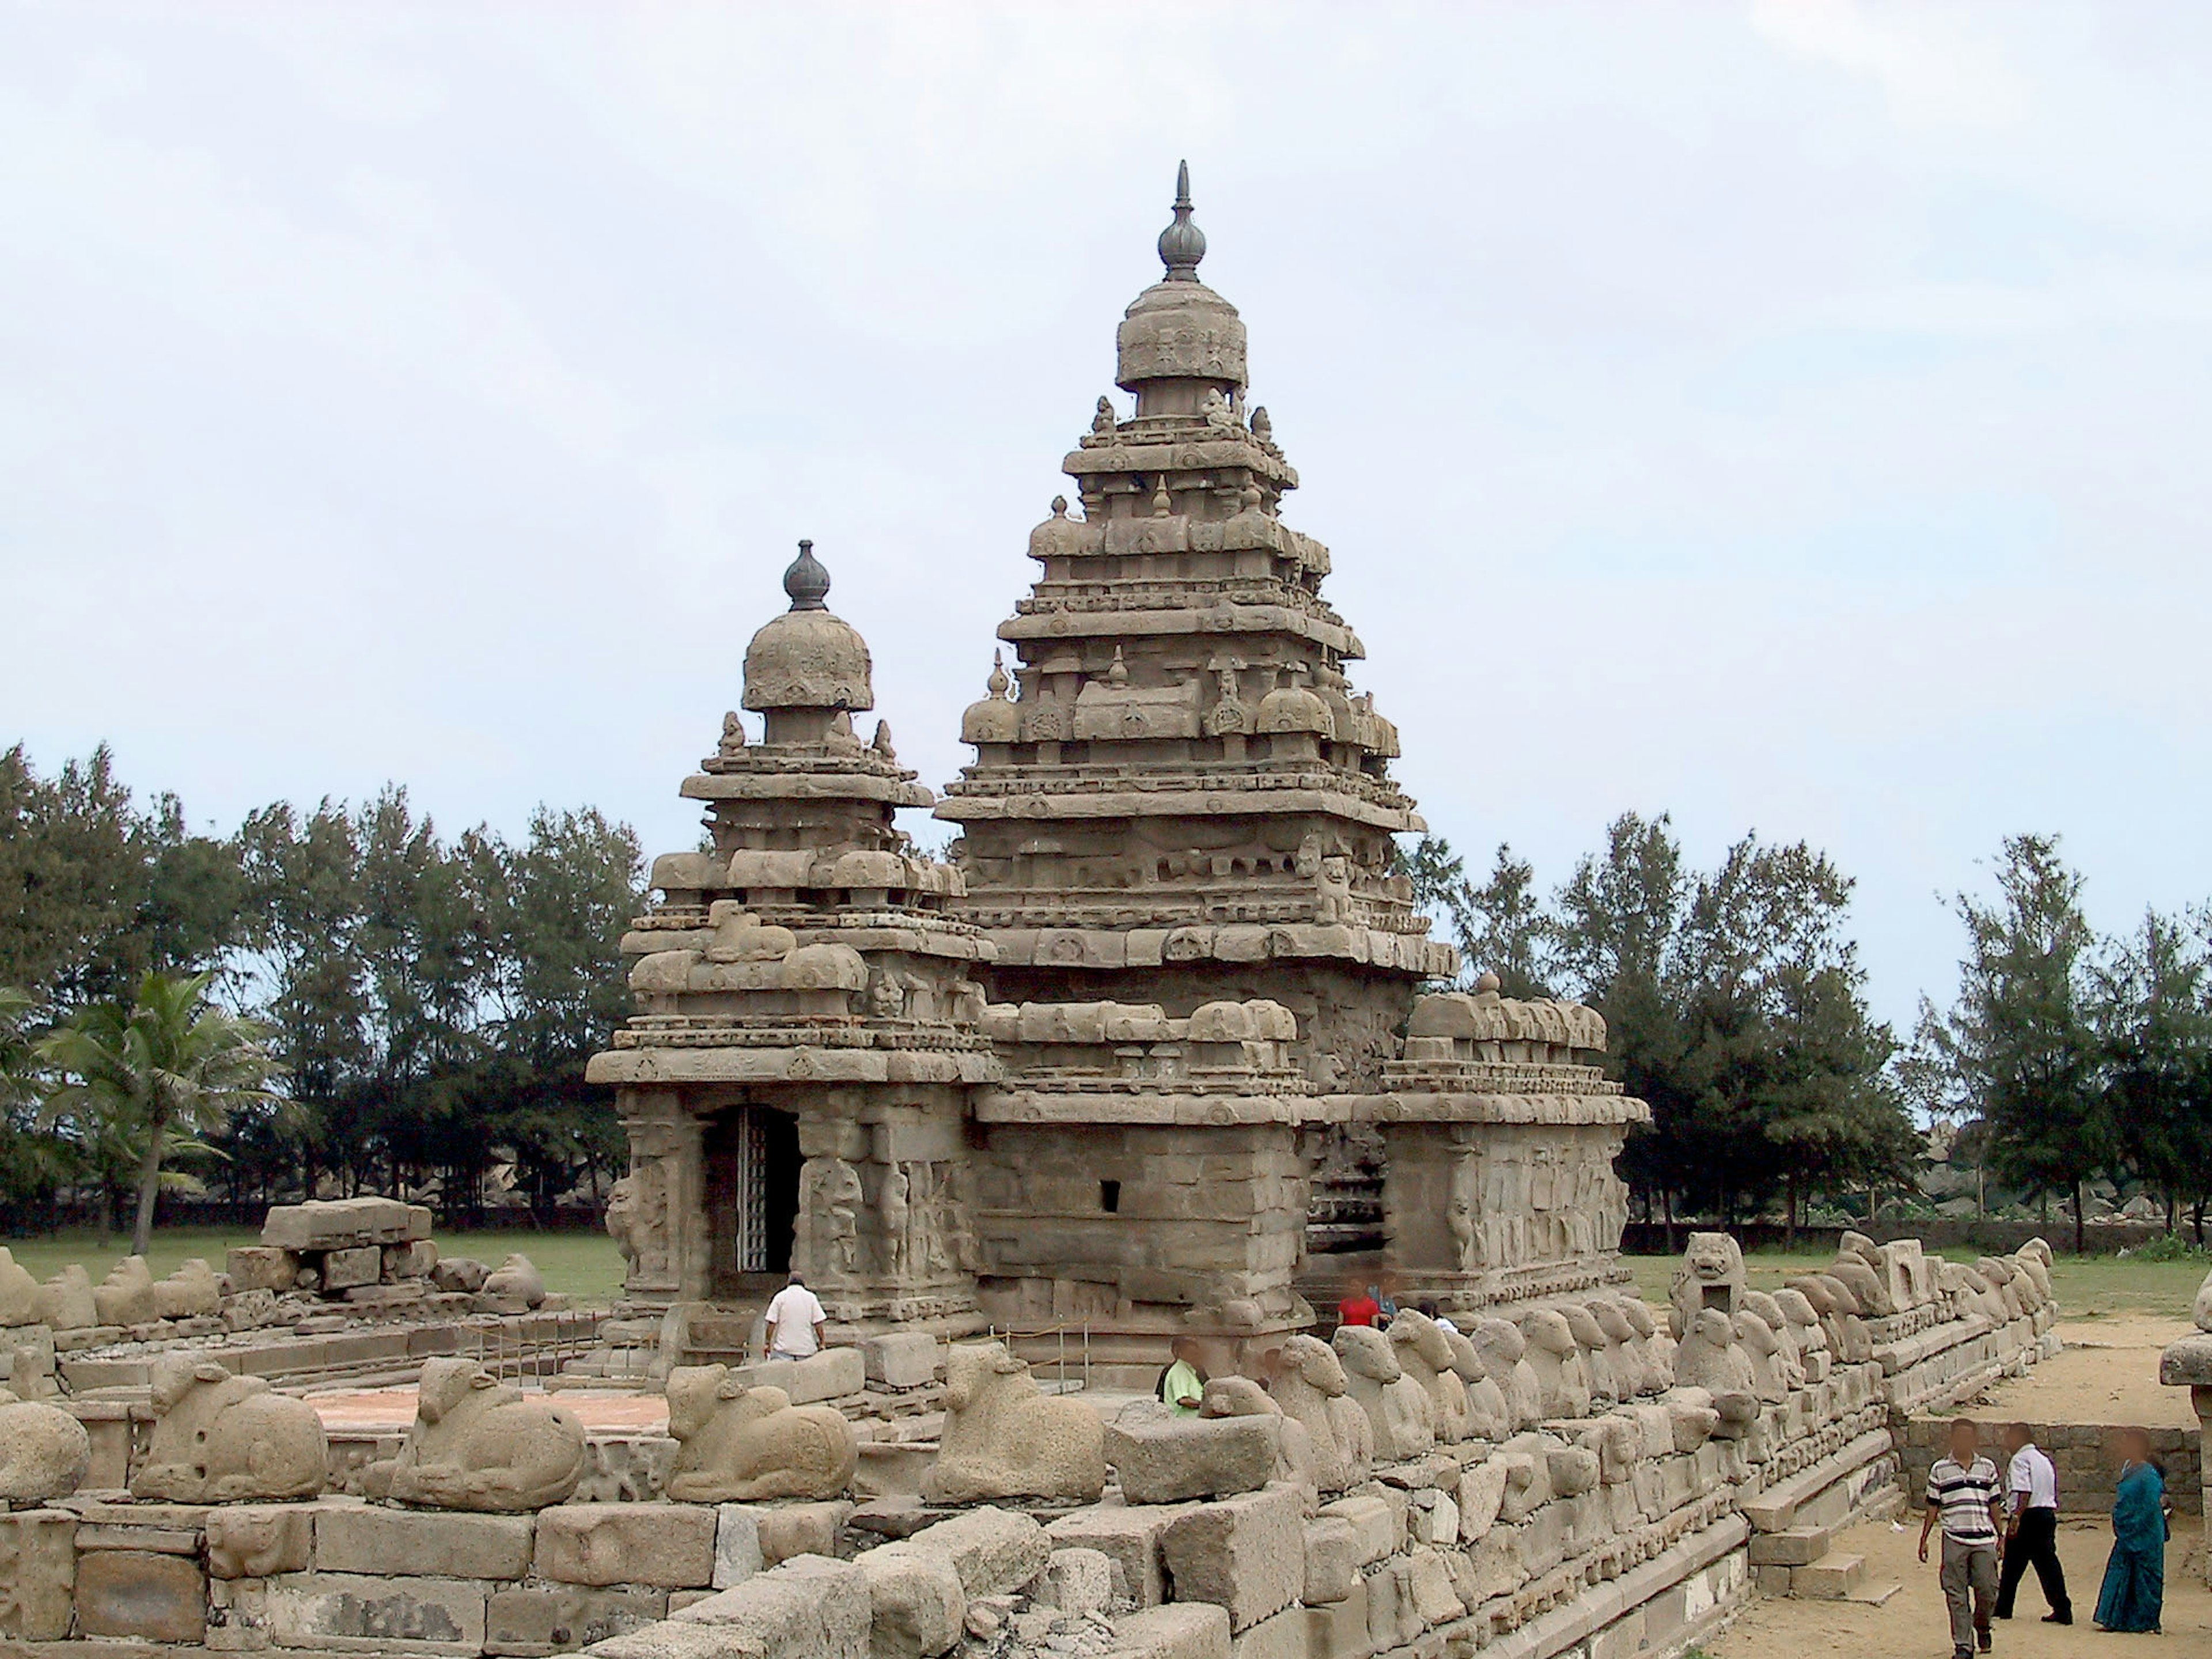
<point>795,1322</point>
<point>1965,1497</point>
<point>2032,1529</point>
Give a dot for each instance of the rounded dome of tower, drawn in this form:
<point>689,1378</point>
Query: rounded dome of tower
<point>1179,328</point>
<point>808,658</point>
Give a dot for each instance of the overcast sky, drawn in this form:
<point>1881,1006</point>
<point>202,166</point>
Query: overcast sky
<point>1791,417</point>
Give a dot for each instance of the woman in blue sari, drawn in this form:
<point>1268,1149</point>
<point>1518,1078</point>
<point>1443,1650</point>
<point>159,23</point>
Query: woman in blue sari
<point>2135,1576</point>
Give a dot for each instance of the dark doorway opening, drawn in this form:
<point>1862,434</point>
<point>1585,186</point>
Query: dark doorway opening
<point>752,1197</point>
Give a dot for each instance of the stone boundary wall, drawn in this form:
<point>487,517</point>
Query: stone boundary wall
<point>1974,1234</point>
<point>2083,1453</point>
<point>337,1573</point>
<point>1627,1523</point>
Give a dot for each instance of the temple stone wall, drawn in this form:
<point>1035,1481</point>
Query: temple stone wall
<point>1200,1218</point>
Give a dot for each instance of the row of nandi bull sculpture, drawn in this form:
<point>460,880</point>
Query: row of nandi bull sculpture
<point>476,1442</point>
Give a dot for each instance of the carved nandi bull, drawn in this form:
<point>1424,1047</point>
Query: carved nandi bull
<point>220,1439</point>
<point>1003,1439</point>
<point>478,1445</point>
<point>739,1445</point>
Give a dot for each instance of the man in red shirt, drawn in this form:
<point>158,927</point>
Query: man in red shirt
<point>1360,1308</point>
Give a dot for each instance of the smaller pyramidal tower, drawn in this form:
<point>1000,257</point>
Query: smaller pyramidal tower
<point>1177,796</point>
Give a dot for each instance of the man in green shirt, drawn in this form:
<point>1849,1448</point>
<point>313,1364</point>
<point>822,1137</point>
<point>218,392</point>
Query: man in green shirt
<point>1183,1380</point>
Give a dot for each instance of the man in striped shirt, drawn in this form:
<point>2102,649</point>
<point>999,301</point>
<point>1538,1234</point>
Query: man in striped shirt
<point>1966,1497</point>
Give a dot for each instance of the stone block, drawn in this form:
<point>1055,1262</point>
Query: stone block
<point>831,1374</point>
<point>238,1616</point>
<point>344,1269</point>
<point>1079,1582</point>
<point>1829,1579</point>
<point>1481,1495</point>
<point>916,1605</point>
<point>151,1596</point>
<point>901,1359</point>
<point>788,1530</point>
<point>1434,1598</point>
<point>1797,1547</point>
<point>1129,1538</point>
<point>400,1543</point>
<point>669,1546</point>
<point>260,1267</point>
<point>809,1608</point>
<point>1338,1631</point>
<point>1161,1458</point>
<point>1377,1525</point>
<point>1334,1559</point>
<point>260,1540</point>
<point>38,1564</point>
<point>1282,1637</point>
<point>994,1551</point>
<point>1246,1554</point>
<point>1434,1519</point>
<point>328,1224</point>
<point>416,1260</point>
<point>559,1619</point>
<point>1181,1630</point>
<point>342,1612</point>
<point>737,1545</point>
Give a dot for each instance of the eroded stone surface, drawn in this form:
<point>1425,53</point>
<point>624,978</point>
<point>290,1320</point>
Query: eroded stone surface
<point>149,1597</point>
<point>477,1443</point>
<point>736,1445</point>
<point>220,1439</point>
<point>38,1574</point>
<point>44,1450</point>
<point>670,1545</point>
<point>1003,1439</point>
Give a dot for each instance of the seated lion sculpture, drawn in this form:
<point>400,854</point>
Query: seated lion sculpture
<point>1711,1275</point>
<point>220,1439</point>
<point>1003,1439</point>
<point>738,1445</point>
<point>479,1445</point>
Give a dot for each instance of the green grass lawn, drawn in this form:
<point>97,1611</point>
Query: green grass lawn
<point>584,1266</point>
<point>2088,1287</point>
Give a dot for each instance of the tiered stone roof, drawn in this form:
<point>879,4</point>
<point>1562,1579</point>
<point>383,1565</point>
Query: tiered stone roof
<point>1178,772</point>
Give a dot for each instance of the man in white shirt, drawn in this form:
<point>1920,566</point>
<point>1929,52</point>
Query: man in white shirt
<point>2031,1527</point>
<point>794,1321</point>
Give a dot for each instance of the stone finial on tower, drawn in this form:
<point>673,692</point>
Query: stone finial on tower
<point>807,658</point>
<point>806,580</point>
<point>1182,244</point>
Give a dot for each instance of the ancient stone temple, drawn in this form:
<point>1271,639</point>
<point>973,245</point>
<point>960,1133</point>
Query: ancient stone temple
<point>1090,1071</point>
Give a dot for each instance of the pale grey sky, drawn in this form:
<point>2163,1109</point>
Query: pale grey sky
<point>1789,415</point>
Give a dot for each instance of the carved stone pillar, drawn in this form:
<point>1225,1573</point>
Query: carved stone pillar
<point>661,1221</point>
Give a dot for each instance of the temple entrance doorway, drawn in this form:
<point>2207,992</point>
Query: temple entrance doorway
<point>752,1197</point>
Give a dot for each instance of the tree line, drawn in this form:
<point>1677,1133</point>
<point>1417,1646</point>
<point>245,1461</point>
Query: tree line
<point>1737,1007</point>
<point>354,1002</point>
<point>1734,1005</point>
<point>423,1005</point>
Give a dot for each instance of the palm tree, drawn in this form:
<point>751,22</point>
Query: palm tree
<point>155,1073</point>
<point>29,1170</point>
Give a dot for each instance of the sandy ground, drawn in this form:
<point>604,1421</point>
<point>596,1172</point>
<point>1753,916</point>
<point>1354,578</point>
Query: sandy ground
<point>1913,1624</point>
<point>382,1409</point>
<point>2108,1374</point>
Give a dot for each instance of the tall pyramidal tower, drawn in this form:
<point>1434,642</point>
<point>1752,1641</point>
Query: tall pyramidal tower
<point>1177,797</point>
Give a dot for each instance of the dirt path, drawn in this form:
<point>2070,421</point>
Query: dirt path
<point>2108,1374</point>
<point>1913,1625</point>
